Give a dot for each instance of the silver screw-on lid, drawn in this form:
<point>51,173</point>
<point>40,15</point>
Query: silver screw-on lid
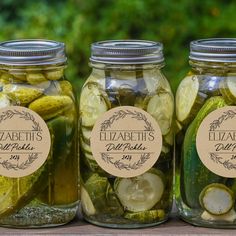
<point>127,52</point>
<point>32,52</point>
<point>213,50</point>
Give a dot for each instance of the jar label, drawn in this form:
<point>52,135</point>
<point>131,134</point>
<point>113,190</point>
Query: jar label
<point>24,141</point>
<point>126,141</point>
<point>216,141</point>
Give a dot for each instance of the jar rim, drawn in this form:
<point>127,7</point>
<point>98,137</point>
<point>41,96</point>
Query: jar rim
<point>213,50</point>
<point>127,52</point>
<point>31,52</point>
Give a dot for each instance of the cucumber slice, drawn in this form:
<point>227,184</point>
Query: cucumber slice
<point>4,101</point>
<point>93,103</point>
<point>229,216</point>
<point>217,199</point>
<point>161,107</point>
<point>145,216</point>
<point>86,135</point>
<point>188,99</point>
<point>86,203</point>
<point>228,89</point>
<point>142,192</point>
<point>102,195</point>
<point>85,147</point>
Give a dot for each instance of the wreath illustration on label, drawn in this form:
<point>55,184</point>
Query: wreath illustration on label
<point>120,165</point>
<point>230,114</point>
<point>121,114</point>
<point>218,160</point>
<point>24,165</point>
<point>9,114</point>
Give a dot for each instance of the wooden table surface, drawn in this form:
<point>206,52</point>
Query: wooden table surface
<point>78,227</point>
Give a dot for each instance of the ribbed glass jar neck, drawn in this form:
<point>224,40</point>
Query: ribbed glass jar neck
<point>33,68</point>
<point>203,67</point>
<point>122,67</point>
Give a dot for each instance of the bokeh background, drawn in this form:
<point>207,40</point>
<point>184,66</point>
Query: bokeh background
<point>78,23</point>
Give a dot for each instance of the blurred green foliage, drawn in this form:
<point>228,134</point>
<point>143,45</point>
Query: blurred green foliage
<point>78,23</point>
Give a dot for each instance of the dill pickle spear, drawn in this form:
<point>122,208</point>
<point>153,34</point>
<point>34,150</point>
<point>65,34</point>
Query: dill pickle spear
<point>17,193</point>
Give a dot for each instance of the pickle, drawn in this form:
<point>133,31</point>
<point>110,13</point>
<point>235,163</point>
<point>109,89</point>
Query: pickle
<point>86,203</point>
<point>58,191</point>
<point>22,94</point>
<point>54,74</point>
<point>217,199</point>
<point>228,89</point>
<point>93,103</point>
<point>188,99</point>
<point>38,80</point>
<point>49,107</point>
<point>194,175</point>
<point>161,107</point>
<point>145,216</point>
<point>102,195</point>
<point>140,193</point>
<point>209,85</point>
<point>4,101</point>
<point>15,194</point>
<point>228,217</point>
<point>66,88</point>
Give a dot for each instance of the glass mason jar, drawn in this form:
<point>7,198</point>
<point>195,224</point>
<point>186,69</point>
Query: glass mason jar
<point>205,139</point>
<point>126,79</point>
<point>35,95</point>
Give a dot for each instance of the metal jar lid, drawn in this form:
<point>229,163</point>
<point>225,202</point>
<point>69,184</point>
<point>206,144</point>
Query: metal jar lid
<point>30,52</point>
<point>213,50</point>
<point>127,52</point>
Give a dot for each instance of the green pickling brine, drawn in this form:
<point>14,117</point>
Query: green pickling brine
<point>126,136</point>
<point>38,124</point>
<point>205,135</point>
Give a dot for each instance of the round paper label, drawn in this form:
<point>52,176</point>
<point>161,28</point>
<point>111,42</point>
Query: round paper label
<point>24,141</point>
<point>216,141</point>
<point>126,141</point>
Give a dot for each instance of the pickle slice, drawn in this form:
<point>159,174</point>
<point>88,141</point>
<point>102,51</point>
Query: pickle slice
<point>140,193</point>
<point>102,195</point>
<point>145,216</point>
<point>188,99</point>
<point>22,94</point>
<point>228,89</point>
<point>229,216</point>
<point>4,101</point>
<point>161,107</point>
<point>217,199</point>
<point>86,203</point>
<point>93,103</point>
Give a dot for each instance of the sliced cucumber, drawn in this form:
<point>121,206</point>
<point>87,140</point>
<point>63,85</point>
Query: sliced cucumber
<point>84,146</point>
<point>102,195</point>
<point>142,192</point>
<point>217,199</point>
<point>228,89</point>
<point>161,107</point>
<point>86,134</point>
<point>4,101</point>
<point>229,216</point>
<point>93,103</point>
<point>169,138</point>
<point>86,203</point>
<point>145,216</point>
<point>188,99</point>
